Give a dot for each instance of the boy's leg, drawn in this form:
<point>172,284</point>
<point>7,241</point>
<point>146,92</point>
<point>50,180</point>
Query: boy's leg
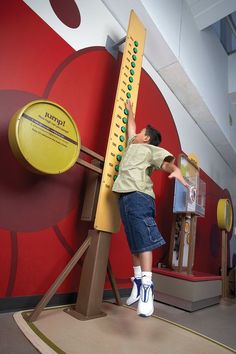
<point>136,280</point>
<point>145,305</point>
<point>145,259</point>
<point>136,260</point>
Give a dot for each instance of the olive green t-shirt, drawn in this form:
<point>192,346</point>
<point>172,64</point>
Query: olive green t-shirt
<point>137,164</point>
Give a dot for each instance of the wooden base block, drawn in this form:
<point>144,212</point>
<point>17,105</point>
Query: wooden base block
<point>81,317</point>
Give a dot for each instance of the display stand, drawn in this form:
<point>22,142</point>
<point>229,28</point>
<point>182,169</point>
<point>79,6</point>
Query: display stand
<point>188,205</point>
<point>178,284</point>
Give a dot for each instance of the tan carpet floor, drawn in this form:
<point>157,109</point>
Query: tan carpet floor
<point>120,332</point>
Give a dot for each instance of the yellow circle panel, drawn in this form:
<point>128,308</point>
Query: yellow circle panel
<point>224,214</point>
<point>44,137</point>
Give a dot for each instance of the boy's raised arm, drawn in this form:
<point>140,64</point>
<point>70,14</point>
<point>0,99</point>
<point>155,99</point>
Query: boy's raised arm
<point>131,121</point>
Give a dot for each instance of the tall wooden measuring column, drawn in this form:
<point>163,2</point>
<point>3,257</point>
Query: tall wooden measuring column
<point>107,215</point>
<point>107,218</point>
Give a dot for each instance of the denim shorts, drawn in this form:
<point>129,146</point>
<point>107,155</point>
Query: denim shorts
<point>137,214</point>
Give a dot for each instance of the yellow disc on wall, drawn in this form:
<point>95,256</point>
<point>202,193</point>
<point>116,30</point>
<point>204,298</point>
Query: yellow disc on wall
<point>44,137</point>
<point>224,214</point>
<point>193,157</point>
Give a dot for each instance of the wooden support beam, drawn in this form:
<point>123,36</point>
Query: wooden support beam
<point>49,294</point>
<point>92,153</point>
<point>89,166</point>
<point>113,284</point>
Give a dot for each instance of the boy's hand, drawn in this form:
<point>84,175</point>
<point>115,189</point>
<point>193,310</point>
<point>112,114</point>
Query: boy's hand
<point>178,175</point>
<point>129,106</point>
<point>191,189</point>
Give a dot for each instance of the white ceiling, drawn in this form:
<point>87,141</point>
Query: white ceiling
<point>207,12</point>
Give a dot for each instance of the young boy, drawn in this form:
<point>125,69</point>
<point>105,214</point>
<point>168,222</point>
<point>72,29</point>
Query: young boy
<point>137,205</point>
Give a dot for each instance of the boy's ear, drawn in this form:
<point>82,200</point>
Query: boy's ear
<point>147,138</point>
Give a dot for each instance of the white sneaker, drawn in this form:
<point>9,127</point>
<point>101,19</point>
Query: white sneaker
<point>145,304</point>
<point>135,292</point>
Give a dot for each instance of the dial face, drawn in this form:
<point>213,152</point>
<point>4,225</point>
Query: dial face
<point>228,215</point>
<point>45,137</point>
<point>224,214</point>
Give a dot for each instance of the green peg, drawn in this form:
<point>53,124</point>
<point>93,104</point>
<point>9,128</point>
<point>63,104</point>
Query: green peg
<point>131,79</point>
<point>117,168</point>
<point>133,64</point>
<point>122,138</point>
<point>135,50</point>
<point>134,57</point>
<point>136,43</point>
<point>118,157</point>
<point>123,129</point>
<point>131,71</point>
<point>120,148</point>
<point>129,87</point>
<point>115,177</point>
<point>125,120</point>
<point>126,110</point>
<point>128,95</point>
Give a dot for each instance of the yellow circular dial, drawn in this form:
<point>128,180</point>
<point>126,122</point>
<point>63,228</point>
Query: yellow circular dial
<point>44,137</point>
<point>224,214</point>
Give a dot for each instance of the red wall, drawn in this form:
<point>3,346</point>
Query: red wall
<point>40,227</point>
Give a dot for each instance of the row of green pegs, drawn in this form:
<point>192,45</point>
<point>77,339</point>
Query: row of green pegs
<point>122,139</point>
<point>126,112</point>
<point>132,72</point>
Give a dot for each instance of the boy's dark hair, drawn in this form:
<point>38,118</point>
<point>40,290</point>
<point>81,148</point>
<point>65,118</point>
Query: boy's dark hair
<point>155,135</point>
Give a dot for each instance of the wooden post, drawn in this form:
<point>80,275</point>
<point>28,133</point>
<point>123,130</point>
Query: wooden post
<point>90,295</point>
<point>172,241</point>
<point>181,244</point>
<point>224,257</point>
<point>192,241</point>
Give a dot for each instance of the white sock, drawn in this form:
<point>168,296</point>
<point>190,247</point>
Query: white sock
<point>137,272</point>
<point>147,278</point>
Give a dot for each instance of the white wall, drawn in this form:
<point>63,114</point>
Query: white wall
<point>232,72</point>
<point>200,53</point>
<point>191,137</point>
<point>206,63</point>
<point>232,92</point>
